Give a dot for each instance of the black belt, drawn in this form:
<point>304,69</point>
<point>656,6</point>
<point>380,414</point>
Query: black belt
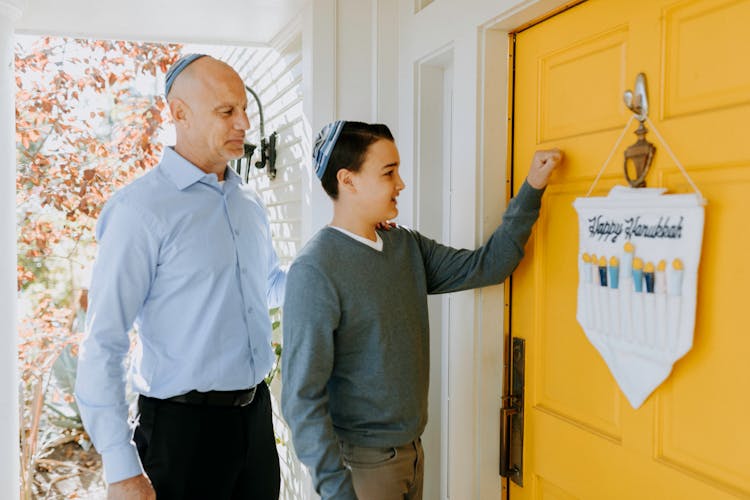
<point>216,398</point>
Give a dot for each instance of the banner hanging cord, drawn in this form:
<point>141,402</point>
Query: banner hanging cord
<point>674,159</point>
<point>666,146</point>
<point>611,154</point>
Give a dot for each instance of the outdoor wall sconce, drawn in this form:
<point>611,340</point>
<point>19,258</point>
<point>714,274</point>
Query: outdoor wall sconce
<point>267,148</point>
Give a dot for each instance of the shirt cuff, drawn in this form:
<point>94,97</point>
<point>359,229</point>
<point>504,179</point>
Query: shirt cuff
<point>121,463</point>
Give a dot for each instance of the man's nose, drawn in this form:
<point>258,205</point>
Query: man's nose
<point>243,122</point>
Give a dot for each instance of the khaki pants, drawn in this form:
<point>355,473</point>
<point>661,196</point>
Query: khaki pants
<point>386,473</point>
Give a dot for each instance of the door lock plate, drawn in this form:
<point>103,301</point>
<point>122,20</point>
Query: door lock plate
<point>511,417</point>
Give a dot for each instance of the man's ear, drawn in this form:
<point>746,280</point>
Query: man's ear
<point>345,180</point>
<point>179,110</point>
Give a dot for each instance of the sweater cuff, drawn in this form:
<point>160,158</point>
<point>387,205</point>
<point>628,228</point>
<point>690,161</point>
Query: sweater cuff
<point>531,194</point>
<point>121,463</point>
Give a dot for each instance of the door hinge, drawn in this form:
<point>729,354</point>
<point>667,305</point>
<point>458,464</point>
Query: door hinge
<point>511,417</point>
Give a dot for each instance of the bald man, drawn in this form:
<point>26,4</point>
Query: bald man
<point>185,256</point>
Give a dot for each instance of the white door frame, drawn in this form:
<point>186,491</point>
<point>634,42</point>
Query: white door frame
<point>493,171</point>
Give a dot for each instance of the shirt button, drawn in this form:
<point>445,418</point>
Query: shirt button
<point>249,310</point>
<point>244,270</point>
<point>237,232</point>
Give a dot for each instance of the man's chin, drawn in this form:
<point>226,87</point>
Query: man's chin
<point>234,153</point>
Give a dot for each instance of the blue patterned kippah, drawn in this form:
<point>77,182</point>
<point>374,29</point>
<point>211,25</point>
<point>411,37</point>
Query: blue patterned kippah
<point>177,68</point>
<point>324,144</point>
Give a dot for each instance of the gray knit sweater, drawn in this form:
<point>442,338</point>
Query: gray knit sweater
<point>355,365</point>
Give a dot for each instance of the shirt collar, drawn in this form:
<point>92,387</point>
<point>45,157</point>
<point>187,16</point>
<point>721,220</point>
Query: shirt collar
<point>184,174</point>
<point>232,177</point>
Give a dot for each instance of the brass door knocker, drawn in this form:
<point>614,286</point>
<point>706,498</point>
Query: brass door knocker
<point>641,153</point>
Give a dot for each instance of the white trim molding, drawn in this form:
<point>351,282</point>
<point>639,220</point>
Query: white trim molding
<point>10,12</point>
<point>492,154</point>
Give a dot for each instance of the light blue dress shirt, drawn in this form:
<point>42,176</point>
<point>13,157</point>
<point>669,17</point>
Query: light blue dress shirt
<point>190,262</point>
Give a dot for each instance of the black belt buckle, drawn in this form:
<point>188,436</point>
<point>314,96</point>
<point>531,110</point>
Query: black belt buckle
<point>245,397</point>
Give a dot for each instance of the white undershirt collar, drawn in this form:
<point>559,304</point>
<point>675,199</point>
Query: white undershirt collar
<point>376,245</point>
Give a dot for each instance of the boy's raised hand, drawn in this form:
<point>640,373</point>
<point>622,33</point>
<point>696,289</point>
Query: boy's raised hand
<point>542,165</point>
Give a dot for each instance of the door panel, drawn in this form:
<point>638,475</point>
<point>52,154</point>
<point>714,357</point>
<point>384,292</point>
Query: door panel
<point>711,381</point>
<point>559,115</point>
<point>597,408</point>
<point>699,74</point>
<point>690,438</point>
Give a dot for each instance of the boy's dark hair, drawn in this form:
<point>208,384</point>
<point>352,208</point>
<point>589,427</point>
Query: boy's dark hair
<point>350,151</point>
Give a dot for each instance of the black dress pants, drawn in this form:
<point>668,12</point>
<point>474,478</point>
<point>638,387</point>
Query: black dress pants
<point>209,452</point>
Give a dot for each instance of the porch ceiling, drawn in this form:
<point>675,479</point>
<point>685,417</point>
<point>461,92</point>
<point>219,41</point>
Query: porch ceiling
<point>232,22</point>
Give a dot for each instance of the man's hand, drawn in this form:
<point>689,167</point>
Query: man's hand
<point>386,225</point>
<point>133,488</point>
<point>542,165</point>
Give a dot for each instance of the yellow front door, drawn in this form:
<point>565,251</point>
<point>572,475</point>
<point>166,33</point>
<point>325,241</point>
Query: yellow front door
<point>691,438</point>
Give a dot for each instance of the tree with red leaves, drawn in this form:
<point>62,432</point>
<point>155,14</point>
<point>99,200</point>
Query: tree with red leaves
<point>88,115</point>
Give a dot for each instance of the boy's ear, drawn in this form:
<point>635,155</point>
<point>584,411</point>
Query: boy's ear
<point>344,178</point>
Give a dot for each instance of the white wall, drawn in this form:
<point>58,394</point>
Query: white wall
<point>276,76</point>
<point>350,73</point>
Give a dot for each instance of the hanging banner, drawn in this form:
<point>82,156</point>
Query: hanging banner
<point>639,251</point>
